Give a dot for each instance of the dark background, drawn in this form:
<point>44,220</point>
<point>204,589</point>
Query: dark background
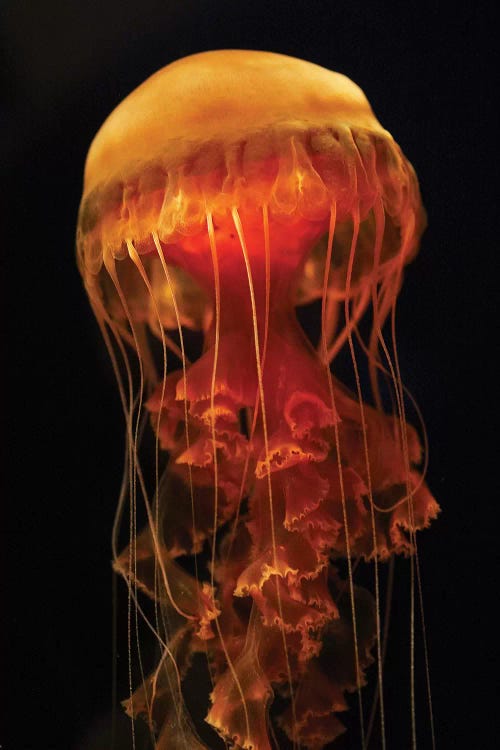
<point>428,73</point>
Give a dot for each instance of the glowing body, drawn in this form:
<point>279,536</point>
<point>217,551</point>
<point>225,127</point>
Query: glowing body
<point>228,188</point>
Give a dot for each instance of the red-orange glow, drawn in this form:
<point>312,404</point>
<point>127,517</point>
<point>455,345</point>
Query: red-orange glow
<point>228,189</point>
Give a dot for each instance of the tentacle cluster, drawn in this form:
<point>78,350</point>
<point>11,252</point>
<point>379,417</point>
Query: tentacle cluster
<point>283,611</point>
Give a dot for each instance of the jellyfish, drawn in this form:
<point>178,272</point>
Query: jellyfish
<point>229,191</point>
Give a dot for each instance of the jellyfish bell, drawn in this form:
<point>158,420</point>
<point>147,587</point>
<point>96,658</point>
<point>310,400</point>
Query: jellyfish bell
<point>225,191</point>
<point>238,129</point>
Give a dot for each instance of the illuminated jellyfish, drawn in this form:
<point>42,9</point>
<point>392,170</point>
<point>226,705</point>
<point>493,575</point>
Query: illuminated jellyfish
<point>226,191</point>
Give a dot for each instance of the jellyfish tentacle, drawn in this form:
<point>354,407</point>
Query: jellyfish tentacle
<point>140,267</point>
<point>132,435</point>
<point>361,307</point>
<point>156,241</point>
<point>215,264</point>
<point>326,359</point>
<point>137,473</point>
<point>160,702</point>
<point>239,230</point>
<point>414,560</point>
<point>184,362</point>
<point>267,272</point>
<point>356,222</point>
